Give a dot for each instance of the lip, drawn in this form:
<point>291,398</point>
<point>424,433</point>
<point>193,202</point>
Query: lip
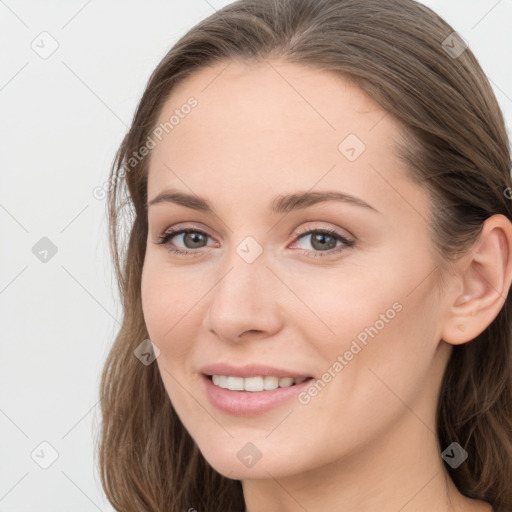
<point>249,403</point>
<point>251,370</point>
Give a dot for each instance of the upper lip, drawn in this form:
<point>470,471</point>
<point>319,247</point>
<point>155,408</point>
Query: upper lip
<point>250,370</point>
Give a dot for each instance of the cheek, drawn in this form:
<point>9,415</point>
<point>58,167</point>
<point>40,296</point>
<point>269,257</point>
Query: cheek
<point>164,302</point>
<point>173,309</point>
<point>165,305</point>
<point>342,302</point>
<point>376,318</point>
<point>388,347</point>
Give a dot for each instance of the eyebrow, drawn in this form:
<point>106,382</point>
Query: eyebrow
<point>281,204</point>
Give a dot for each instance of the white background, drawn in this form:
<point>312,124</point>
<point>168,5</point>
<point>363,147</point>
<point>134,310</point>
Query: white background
<point>61,121</point>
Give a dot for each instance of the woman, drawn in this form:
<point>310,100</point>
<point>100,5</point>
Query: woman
<point>315,286</point>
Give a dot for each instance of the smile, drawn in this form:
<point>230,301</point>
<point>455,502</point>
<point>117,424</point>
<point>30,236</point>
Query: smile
<point>254,384</point>
<point>252,396</point>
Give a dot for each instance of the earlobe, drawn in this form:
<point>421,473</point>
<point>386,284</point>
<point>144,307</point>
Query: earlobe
<point>485,275</point>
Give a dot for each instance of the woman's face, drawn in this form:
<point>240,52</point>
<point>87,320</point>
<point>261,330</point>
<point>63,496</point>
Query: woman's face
<point>263,291</point>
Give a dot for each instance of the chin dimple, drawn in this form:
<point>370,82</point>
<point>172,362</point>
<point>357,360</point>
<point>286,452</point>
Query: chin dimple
<point>266,383</point>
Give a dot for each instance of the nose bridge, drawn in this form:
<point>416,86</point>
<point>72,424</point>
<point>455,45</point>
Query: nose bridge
<point>246,272</point>
<point>242,299</point>
<point>243,283</point>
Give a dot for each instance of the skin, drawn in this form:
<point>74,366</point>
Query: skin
<point>367,440</point>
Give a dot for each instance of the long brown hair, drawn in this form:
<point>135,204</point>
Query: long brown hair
<point>411,62</point>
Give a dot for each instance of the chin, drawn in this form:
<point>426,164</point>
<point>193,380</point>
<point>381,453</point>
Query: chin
<point>248,462</point>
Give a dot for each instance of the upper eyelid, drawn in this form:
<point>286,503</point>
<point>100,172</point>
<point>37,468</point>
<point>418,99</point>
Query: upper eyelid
<point>307,230</point>
<point>180,229</point>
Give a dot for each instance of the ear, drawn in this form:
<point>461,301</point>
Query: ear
<point>484,277</point>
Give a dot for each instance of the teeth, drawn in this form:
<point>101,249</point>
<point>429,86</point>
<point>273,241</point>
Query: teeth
<point>270,383</point>
<point>266,383</point>
<point>220,380</point>
<point>235,383</point>
<point>253,384</point>
<point>284,382</point>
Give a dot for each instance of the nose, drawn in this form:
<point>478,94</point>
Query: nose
<point>244,304</point>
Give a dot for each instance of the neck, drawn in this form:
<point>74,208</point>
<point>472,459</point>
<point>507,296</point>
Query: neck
<point>402,471</point>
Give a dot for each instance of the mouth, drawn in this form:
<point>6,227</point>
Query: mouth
<point>252,395</point>
<point>255,384</point>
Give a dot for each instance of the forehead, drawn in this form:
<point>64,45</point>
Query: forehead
<point>272,126</point>
<point>249,99</point>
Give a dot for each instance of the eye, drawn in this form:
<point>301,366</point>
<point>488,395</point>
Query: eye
<point>323,242</point>
<point>191,238</point>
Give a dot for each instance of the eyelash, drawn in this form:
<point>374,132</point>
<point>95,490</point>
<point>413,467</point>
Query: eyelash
<point>164,238</point>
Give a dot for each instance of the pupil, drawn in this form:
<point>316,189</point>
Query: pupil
<point>320,239</point>
<point>193,238</point>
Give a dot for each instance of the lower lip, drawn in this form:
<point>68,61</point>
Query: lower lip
<point>250,403</point>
